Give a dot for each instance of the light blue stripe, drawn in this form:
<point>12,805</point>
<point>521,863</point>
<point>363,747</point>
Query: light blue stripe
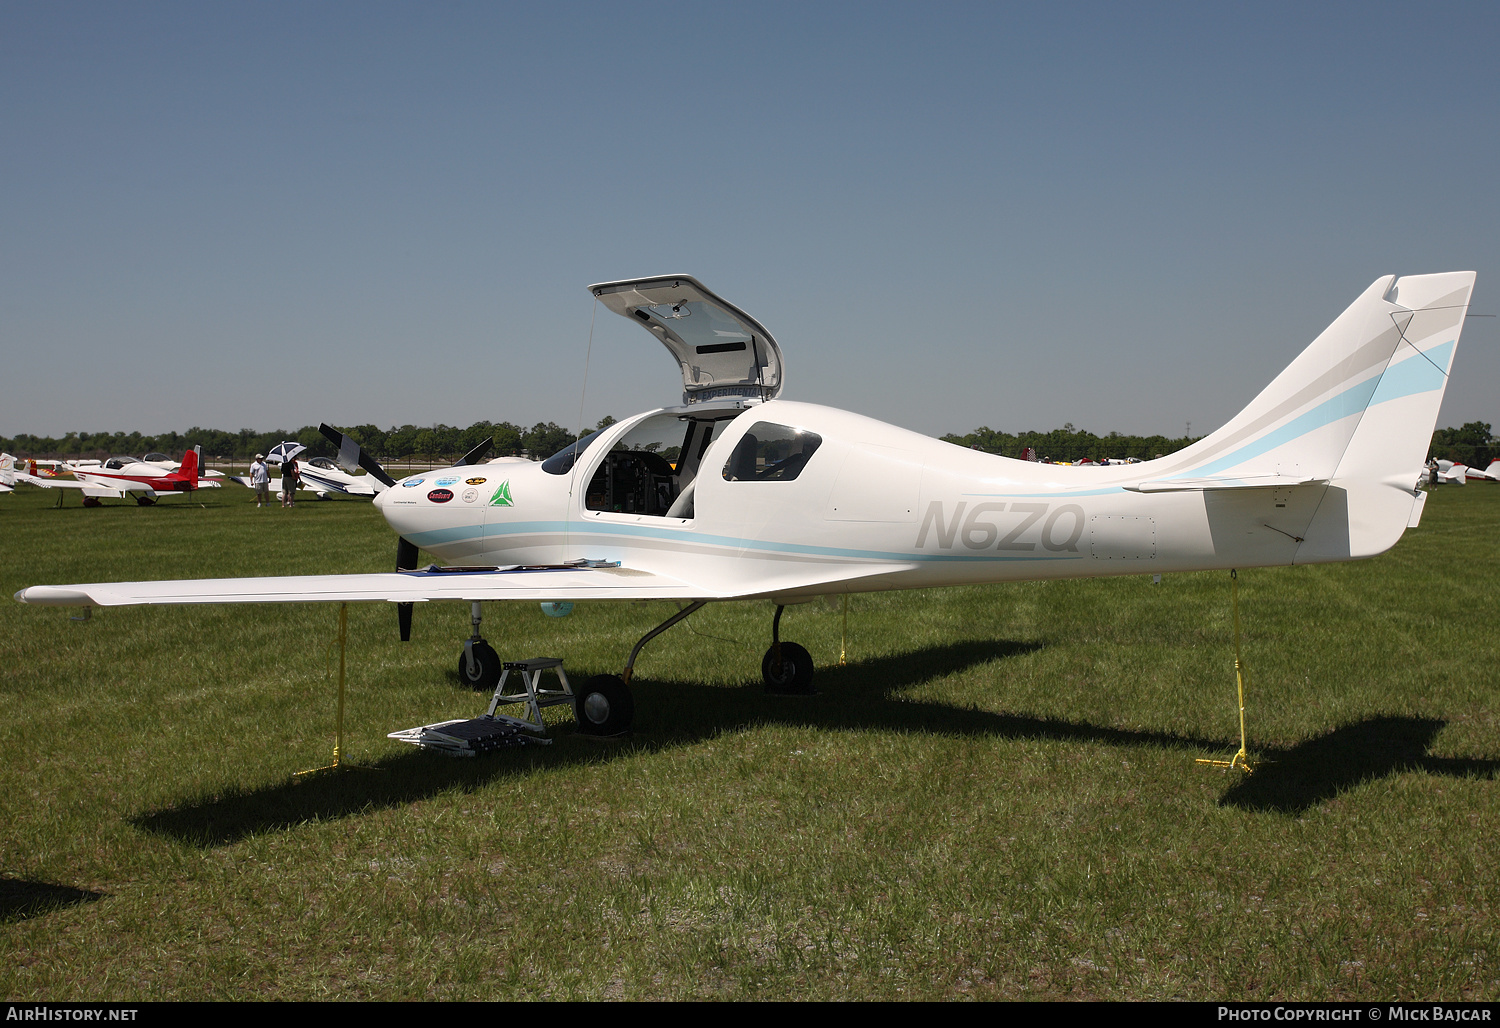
<point>1058,494</point>
<point>1414,375</point>
<point>601,531</point>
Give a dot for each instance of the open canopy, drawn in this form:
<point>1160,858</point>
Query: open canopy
<point>723,352</point>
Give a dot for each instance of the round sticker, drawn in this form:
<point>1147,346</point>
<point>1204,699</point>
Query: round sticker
<point>440,495</point>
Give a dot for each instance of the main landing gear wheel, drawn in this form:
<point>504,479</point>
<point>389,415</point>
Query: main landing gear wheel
<point>486,673</point>
<point>794,675</point>
<point>604,706</point>
<point>144,501</point>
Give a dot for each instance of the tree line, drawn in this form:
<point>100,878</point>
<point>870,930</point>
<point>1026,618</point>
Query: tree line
<point>1470,444</point>
<point>1068,444</point>
<point>435,442</point>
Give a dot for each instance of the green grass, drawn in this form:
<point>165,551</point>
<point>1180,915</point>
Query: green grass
<point>995,798</point>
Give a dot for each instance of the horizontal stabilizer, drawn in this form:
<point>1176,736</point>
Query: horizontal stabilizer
<point>1178,485</point>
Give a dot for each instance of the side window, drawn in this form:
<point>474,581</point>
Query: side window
<point>771,453</point>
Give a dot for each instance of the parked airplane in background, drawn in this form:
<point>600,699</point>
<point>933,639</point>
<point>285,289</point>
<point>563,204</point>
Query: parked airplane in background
<point>119,477</point>
<point>1460,473</point>
<point>161,460</point>
<point>1455,474</point>
<point>737,494</point>
<point>319,475</point>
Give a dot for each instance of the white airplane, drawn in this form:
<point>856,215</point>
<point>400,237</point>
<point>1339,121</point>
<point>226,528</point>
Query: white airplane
<point>1455,474</point>
<point>1489,474</point>
<point>321,476</point>
<point>1447,471</point>
<point>739,495</point>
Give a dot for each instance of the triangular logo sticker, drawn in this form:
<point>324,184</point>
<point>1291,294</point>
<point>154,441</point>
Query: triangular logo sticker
<point>502,496</point>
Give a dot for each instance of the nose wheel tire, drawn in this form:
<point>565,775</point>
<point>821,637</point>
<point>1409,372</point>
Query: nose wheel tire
<point>794,676</point>
<point>604,706</point>
<point>486,673</point>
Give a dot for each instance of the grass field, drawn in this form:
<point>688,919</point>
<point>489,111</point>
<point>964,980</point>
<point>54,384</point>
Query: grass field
<point>996,798</point>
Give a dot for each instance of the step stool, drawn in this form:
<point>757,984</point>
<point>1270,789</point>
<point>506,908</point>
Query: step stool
<point>491,731</point>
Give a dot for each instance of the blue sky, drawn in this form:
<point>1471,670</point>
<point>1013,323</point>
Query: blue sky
<point>1124,216</point>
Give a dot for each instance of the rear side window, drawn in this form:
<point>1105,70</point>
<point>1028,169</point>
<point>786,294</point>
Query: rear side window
<point>771,453</point>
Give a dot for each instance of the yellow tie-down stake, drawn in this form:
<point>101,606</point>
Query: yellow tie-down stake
<point>1241,760</point>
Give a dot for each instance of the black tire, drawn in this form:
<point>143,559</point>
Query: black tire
<point>486,668</point>
<point>795,675</point>
<point>604,706</point>
<point>142,500</point>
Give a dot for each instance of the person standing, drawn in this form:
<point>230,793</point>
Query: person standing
<point>260,480</point>
<point>291,477</point>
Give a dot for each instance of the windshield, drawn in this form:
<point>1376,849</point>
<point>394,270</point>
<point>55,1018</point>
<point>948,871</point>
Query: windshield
<point>561,462</point>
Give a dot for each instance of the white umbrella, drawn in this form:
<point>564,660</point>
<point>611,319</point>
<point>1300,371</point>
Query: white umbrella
<point>284,452</point>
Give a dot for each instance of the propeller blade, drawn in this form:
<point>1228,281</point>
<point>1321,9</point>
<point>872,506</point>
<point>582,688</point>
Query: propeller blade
<point>350,455</point>
<point>406,560</point>
<point>474,455</point>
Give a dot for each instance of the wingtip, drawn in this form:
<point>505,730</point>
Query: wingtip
<point>53,596</point>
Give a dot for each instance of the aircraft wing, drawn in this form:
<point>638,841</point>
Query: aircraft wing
<point>540,584</point>
<point>321,486</point>
<point>88,488</point>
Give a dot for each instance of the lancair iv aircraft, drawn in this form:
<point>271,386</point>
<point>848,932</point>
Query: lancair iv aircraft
<point>737,494</point>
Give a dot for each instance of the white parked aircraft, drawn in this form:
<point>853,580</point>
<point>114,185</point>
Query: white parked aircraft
<point>736,494</point>
<point>322,476</point>
<point>1455,474</point>
<point>1490,473</point>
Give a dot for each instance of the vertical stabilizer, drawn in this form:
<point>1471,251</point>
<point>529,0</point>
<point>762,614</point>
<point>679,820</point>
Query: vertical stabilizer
<point>1351,416</point>
<point>1374,487</point>
<point>188,472</point>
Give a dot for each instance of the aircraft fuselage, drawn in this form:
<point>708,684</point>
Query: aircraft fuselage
<point>878,506</point>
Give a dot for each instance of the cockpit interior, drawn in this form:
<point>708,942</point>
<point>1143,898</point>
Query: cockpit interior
<point>653,468</point>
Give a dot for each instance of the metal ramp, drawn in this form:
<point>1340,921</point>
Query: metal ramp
<point>492,731</point>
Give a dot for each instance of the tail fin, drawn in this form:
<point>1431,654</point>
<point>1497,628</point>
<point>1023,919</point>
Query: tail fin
<point>1356,410</point>
<point>187,474</point>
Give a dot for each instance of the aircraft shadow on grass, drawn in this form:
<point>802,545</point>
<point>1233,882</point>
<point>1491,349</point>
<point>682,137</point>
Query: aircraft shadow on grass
<point>22,898</point>
<point>1292,780</point>
<point>866,696</point>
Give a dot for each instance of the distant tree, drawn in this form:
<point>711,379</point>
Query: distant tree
<point>1067,443</point>
<point>1470,444</point>
<point>545,439</point>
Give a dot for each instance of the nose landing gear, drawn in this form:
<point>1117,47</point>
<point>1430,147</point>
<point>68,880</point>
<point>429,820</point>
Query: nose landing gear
<point>478,663</point>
